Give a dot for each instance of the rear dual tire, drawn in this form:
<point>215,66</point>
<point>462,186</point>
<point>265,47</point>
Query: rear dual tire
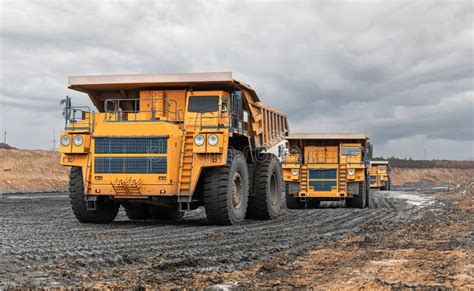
<point>140,211</point>
<point>226,190</point>
<point>265,203</point>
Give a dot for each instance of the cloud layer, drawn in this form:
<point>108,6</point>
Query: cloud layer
<point>403,72</point>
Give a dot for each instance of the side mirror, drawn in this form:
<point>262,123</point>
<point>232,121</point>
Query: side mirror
<point>236,102</point>
<point>224,107</point>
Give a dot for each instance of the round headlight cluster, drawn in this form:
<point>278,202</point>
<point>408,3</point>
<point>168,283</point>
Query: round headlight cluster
<point>65,140</point>
<point>212,139</point>
<point>199,140</point>
<point>351,172</point>
<point>78,140</point>
<point>294,172</point>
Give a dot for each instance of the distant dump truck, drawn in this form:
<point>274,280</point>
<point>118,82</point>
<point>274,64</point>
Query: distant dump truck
<point>327,166</point>
<point>160,144</point>
<point>380,175</point>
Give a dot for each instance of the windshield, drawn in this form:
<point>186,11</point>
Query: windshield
<point>382,168</point>
<point>203,104</point>
<point>350,151</point>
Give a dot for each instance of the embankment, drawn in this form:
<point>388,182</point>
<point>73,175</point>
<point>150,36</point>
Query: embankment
<point>31,170</point>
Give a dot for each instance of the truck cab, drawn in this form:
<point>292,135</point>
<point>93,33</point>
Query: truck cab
<point>326,166</point>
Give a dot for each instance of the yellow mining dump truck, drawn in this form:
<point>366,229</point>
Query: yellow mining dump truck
<point>380,175</point>
<point>327,166</point>
<point>164,143</point>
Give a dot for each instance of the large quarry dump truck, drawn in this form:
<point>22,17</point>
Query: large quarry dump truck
<point>327,166</point>
<point>161,144</point>
<point>380,175</point>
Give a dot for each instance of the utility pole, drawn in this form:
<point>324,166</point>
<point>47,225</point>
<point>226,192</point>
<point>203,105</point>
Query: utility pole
<point>54,139</point>
<point>5,137</point>
<point>425,154</point>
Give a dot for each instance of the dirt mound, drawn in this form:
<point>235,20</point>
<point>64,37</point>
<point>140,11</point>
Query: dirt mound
<point>433,176</point>
<point>31,170</point>
<point>6,146</point>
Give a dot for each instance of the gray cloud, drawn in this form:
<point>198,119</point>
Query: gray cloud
<point>403,72</point>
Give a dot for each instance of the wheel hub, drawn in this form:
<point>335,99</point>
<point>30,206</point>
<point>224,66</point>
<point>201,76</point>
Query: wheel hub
<point>237,191</point>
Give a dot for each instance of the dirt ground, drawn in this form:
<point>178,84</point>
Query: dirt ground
<point>405,239</point>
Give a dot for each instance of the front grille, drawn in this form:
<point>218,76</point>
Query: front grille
<point>322,173</point>
<point>136,165</point>
<point>373,179</point>
<point>131,145</point>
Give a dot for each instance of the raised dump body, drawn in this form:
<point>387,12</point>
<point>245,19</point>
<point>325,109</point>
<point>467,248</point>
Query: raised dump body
<point>327,166</point>
<point>163,143</point>
<point>380,175</point>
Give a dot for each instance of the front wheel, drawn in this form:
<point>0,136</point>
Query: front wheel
<point>226,190</point>
<point>358,201</point>
<point>291,201</point>
<point>106,210</point>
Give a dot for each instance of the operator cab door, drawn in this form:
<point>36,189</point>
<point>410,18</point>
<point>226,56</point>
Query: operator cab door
<point>203,109</point>
<point>351,153</point>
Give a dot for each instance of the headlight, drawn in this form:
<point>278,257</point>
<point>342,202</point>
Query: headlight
<point>199,140</point>
<point>351,172</point>
<point>294,172</point>
<point>78,140</point>
<point>65,140</point>
<point>212,139</point>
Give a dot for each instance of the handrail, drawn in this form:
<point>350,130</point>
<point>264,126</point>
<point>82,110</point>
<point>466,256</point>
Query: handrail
<point>321,157</point>
<point>117,114</point>
<point>71,120</point>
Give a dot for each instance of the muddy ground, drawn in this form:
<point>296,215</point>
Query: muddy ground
<point>405,239</point>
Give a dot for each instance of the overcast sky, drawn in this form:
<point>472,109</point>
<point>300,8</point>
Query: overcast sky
<point>403,72</point>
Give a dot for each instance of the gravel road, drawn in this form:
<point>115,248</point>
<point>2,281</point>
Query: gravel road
<point>42,244</point>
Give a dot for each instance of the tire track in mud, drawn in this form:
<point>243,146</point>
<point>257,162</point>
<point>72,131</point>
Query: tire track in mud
<point>41,233</point>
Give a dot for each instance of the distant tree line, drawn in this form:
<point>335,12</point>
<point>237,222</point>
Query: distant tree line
<point>425,164</point>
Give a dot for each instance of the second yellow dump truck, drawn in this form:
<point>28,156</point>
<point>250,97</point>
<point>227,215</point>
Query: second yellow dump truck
<point>380,175</point>
<point>163,143</point>
<point>327,166</point>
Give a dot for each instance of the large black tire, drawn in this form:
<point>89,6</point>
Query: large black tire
<point>136,211</point>
<point>358,201</point>
<point>313,203</point>
<point>266,202</point>
<point>367,192</point>
<point>226,190</point>
<point>291,201</point>
<point>162,213</point>
<point>106,210</point>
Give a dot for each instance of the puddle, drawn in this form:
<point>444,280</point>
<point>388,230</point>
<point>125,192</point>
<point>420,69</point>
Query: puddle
<point>420,200</point>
